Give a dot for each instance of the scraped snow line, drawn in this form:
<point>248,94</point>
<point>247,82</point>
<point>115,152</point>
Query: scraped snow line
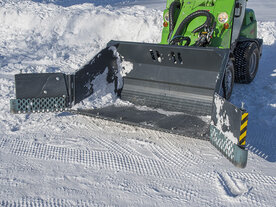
<point>98,159</point>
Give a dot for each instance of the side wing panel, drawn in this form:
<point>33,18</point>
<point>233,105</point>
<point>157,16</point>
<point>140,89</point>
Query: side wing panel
<point>228,131</point>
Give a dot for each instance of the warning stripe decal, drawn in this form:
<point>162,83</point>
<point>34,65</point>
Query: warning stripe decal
<point>243,129</point>
<point>244,125</point>
<point>244,116</point>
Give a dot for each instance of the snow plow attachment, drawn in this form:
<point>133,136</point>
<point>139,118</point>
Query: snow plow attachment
<point>168,88</point>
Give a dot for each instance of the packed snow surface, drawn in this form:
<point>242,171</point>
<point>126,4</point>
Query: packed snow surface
<point>70,160</point>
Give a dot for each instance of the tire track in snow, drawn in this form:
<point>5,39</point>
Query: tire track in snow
<point>255,178</point>
<point>186,193</point>
<point>3,142</point>
<point>174,155</point>
<point>48,202</point>
<point>208,177</point>
<point>134,189</point>
<point>99,159</point>
<point>124,131</point>
<point>170,153</point>
<point>12,182</point>
<point>153,189</point>
<point>114,146</point>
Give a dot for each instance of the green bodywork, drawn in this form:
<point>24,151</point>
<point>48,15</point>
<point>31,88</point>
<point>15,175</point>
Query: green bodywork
<point>221,37</point>
<point>249,27</point>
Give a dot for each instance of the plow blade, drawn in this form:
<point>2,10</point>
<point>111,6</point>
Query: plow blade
<point>170,88</point>
<point>170,77</point>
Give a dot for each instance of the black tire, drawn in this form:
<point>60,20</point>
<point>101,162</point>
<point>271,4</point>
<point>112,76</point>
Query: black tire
<point>247,57</point>
<point>228,80</point>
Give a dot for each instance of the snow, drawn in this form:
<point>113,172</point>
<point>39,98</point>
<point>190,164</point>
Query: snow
<point>103,94</point>
<point>70,160</point>
<point>223,121</point>
<point>266,31</point>
<point>160,111</point>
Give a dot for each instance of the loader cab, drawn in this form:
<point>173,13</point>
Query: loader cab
<point>219,29</point>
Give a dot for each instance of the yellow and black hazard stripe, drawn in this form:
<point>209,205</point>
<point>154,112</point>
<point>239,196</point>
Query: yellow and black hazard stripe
<point>244,122</point>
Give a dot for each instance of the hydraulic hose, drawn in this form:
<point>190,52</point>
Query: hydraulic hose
<point>203,39</point>
<point>174,5</point>
<point>184,24</point>
<point>180,39</point>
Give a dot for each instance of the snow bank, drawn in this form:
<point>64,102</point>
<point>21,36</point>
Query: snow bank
<point>78,26</point>
<point>67,37</point>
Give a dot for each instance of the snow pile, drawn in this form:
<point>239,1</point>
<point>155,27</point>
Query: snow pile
<point>103,93</point>
<point>124,67</point>
<point>64,38</point>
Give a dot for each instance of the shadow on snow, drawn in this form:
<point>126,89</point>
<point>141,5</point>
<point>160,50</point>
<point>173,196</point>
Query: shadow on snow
<point>260,101</point>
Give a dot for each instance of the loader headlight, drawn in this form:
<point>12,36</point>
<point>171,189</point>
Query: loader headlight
<point>223,17</point>
<point>166,16</point>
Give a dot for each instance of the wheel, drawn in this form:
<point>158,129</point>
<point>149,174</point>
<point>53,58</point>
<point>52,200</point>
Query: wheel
<point>247,56</point>
<point>228,81</point>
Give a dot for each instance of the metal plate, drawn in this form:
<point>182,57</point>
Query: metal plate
<point>231,151</point>
<point>41,85</point>
<point>172,77</point>
<point>33,105</point>
<point>180,123</point>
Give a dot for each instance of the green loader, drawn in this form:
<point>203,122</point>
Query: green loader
<point>185,82</point>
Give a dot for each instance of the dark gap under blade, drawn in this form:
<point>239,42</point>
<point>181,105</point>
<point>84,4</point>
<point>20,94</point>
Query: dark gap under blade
<point>180,123</point>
